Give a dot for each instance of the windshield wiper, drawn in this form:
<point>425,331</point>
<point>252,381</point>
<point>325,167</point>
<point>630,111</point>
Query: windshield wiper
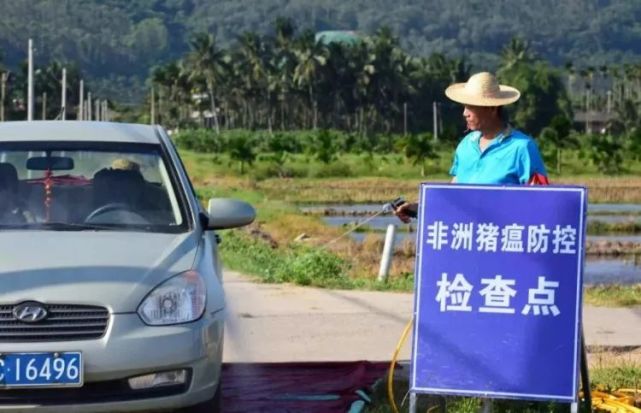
<point>66,226</point>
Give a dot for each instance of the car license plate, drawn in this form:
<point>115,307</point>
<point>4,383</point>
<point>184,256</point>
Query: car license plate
<point>41,369</point>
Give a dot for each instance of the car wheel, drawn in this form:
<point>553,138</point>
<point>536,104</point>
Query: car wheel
<point>213,405</point>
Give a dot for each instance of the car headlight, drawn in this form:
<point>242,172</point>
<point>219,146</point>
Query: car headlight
<point>180,299</point>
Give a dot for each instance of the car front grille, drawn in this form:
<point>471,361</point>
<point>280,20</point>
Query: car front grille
<point>63,323</point>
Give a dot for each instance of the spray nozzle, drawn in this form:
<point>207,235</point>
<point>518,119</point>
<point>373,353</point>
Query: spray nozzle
<point>391,206</point>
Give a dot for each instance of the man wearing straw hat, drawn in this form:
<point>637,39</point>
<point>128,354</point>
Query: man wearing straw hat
<point>492,152</point>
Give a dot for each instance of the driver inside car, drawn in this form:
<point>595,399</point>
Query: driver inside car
<point>119,190</point>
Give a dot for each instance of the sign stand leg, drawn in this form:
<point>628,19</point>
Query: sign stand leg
<point>585,375</point>
<point>412,402</point>
<point>574,407</point>
<point>487,406</point>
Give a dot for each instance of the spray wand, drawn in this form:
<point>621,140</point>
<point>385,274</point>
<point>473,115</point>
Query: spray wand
<point>388,207</point>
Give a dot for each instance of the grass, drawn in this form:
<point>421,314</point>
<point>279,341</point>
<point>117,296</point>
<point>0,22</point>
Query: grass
<point>609,228</point>
<point>298,264</point>
<point>616,377</point>
<point>613,295</point>
<point>630,214</point>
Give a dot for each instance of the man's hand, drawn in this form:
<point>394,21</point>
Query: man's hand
<point>406,211</point>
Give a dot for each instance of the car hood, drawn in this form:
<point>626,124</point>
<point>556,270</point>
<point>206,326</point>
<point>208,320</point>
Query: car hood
<point>111,269</point>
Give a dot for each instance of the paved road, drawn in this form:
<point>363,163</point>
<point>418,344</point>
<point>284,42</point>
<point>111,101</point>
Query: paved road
<point>276,323</point>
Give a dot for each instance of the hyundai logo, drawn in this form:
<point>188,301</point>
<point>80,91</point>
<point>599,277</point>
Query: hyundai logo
<point>30,312</point>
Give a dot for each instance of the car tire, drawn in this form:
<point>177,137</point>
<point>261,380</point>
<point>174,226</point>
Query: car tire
<point>213,405</point>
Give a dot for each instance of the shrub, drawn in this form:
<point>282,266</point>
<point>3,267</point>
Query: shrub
<point>332,170</point>
<point>299,264</point>
<point>199,140</point>
<point>309,266</point>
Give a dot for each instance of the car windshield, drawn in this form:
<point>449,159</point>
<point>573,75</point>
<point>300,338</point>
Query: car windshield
<point>92,186</point>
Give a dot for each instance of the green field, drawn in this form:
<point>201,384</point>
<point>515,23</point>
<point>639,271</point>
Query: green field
<point>274,256</point>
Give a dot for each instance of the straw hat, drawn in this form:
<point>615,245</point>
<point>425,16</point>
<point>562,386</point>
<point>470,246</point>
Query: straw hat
<point>125,165</point>
<point>482,89</point>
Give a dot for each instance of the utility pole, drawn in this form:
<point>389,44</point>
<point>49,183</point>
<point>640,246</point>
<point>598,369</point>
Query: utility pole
<point>30,83</point>
<point>435,120</point>
<point>587,110</point>
<point>81,103</point>
<point>160,108</point>
<point>44,106</point>
<point>3,94</point>
<point>153,107</point>
<point>440,118</point>
<point>63,93</point>
<point>405,119</point>
<point>89,114</point>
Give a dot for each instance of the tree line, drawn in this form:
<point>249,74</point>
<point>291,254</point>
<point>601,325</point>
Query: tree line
<point>365,84</point>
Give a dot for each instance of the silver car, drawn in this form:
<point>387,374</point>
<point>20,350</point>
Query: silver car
<point>111,293</point>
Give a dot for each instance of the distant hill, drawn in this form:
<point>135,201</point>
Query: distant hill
<point>116,42</point>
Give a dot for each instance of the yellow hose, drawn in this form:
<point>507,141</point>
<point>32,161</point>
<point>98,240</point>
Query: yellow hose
<point>620,401</point>
<point>390,377</point>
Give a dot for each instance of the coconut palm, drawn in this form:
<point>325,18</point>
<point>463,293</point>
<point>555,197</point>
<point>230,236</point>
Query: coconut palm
<point>207,63</point>
<point>418,149</point>
<point>517,51</point>
<point>311,58</point>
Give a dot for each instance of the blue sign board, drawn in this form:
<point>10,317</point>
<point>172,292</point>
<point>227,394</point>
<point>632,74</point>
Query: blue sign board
<point>498,291</point>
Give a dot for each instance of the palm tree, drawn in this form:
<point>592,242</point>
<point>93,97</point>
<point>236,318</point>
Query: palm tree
<point>48,79</point>
<point>285,30</point>
<point>207,62</point>
<point>390,79</point>
<point>323,146</point>
<point>283,64</point>
<point>460,70</point>
<point>569,69</point>
<point>516,52</point>
<point>418,148</point>
<point>362,59</point>
<point>163,78</point>
<point>241,149</point>
<point>557,137</point>
<point>252,61</point>
<point>311,58</point>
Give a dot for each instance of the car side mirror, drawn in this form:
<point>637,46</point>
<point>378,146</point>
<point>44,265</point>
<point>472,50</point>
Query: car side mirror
<point>227,213</point>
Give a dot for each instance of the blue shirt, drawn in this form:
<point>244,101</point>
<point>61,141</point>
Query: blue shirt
<point>511,158</point>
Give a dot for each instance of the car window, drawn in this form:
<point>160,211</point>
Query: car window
<point>119,186</point>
